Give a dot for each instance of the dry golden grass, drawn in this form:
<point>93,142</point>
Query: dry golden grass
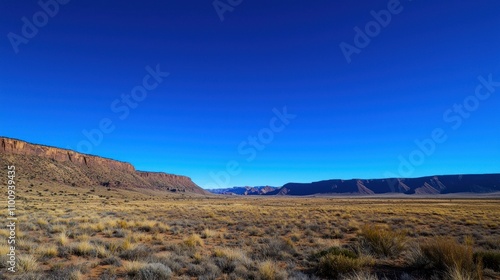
<point>383,241</point>
<point>269,270</point>
<point>83,248</point>
<point>133,267</point>
<point>133,235</point>
<point>47,250</point>
<point>27,263</point>
<point>208,233</point>
<point>62,239</point>
<point>193,240</point>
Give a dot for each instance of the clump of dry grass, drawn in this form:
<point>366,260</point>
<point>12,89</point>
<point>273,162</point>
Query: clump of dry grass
<point>101,251</point>
<point>139,252</point>
<point>123,224</point>
<point>335,265</point>
<point>4,233</point>
<point>193,240</point>
<point>83,248</point>
<point>26,244</point>
<point>207,233</point>
<point>42,222</point>
<point>27,263</point>
<point>382,241</point>
<point>127,244</point>
<point>57,228</point>
<point>233,254</point>
<point>269,270</point>
<point>62,239</point>
<point>446,254</point>
<point>47,250</point>
<point>132,268</point>
<point>337,261</point>
<point>4,247</point>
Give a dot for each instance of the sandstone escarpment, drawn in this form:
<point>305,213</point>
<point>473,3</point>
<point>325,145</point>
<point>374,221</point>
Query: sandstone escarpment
<point>44,163</point>
<point>18,147</point>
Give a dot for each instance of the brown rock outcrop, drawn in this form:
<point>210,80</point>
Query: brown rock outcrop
<point>76,169</point>
<point>18,147</point>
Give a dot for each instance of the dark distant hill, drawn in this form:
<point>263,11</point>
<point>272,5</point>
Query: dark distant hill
<point>444,184</point>
<point>246,190</point>
<point>67,167</point>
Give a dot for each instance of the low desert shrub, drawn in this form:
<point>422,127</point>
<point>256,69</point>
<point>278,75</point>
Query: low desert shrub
<point>336,261</point>
<point>139,252</point>
<point>193,240</point>
<point>415,258</point>
<point>276,249</point>
<point>269,270</point>
<point>233,254</point>
<point>70,273</point>
<point>154,271</point>
<point>382,241</point>
<point>132,268</point>
<point>335,265</point>
<point>111,261</point>
<point>446,254</point>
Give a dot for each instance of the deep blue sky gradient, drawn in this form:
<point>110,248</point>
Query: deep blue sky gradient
<point>353,120</point>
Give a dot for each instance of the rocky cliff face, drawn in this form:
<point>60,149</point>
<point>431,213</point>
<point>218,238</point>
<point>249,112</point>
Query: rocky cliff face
<point>18,147</point>
<point>38,162</point>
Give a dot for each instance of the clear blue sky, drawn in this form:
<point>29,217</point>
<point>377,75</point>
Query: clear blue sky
<point>352,120</point>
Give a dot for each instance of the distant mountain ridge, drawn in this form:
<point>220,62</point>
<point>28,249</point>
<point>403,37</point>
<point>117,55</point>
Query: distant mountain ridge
<point>245,190</point>
<point>46,163</point>
<point>442,184</point>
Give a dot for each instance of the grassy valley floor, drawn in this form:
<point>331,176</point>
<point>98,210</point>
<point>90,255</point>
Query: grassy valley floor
<point>79,233</point>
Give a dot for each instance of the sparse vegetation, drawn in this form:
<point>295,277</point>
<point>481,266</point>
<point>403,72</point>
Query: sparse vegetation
<point>445,254</point>
<point>27,264</point>
<point>269,270</point>
<point>193,240</point>
<point>382,241</point>
<point>83,235</point>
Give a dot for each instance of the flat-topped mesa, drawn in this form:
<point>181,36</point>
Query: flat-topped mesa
<point>161,179</point>
<point>429,185</point>
<point>19,147</point>
<point>171,182</point>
